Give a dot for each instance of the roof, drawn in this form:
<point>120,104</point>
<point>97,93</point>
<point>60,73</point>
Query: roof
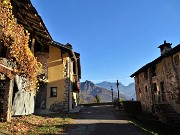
<point>67,47</point>
<point>169,53</point>
<point>27,16</point>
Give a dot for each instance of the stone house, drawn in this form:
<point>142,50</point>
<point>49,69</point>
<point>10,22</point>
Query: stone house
<point>157,83</point>
<point>14,100</point>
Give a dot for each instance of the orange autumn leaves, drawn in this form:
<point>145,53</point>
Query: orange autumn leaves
<point>17,40</point>
<point>49,124</point>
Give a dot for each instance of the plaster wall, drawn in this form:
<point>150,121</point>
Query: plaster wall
<point>55,76</point>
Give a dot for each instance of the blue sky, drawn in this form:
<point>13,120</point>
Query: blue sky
<point>114,37</point>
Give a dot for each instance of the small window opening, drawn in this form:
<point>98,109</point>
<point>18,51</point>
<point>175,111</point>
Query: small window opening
<point>53,92</point>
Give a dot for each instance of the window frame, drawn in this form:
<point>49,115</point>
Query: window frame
<point>53,93</point>
<point>176,60</point>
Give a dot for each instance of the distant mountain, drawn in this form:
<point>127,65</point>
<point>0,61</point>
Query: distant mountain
<point>128,91</point>
<point>89,91</point>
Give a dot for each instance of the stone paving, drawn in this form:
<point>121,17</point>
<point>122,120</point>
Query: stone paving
<point>101,120</point>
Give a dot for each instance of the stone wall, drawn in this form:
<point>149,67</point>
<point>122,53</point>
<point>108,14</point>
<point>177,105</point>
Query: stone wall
<point>167,74</point>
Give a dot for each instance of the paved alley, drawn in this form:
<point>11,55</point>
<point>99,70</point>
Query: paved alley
<point>101,120</point>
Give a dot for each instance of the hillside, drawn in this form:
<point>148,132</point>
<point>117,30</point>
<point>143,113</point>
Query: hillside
<point>89,91</point>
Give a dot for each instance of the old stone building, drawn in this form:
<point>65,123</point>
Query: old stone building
<point>157,83</point>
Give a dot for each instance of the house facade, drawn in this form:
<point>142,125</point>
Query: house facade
<point>64,73</point>
<point>158,82</point>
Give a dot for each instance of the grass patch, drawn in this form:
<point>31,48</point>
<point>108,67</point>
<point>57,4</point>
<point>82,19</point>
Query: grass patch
<point>33,124</point>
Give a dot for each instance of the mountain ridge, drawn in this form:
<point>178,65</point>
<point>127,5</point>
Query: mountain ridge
<point>89,91</point>
<point>128,91</point>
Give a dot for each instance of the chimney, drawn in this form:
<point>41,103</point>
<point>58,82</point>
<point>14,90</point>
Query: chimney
<point>69,45</point>
<point>164,48</point>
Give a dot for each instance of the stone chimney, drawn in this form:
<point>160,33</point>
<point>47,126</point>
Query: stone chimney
<point>69,45</point>
<point>164,48</point>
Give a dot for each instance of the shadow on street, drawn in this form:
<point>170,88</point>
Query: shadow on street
<point>101,120</point>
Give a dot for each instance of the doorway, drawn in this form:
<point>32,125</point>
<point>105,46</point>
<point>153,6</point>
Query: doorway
<point>2,95</point>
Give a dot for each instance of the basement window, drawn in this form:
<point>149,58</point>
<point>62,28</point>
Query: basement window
<point>53,92</point>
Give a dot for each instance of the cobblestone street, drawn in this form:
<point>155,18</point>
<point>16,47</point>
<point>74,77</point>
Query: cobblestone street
<point>101,120</point>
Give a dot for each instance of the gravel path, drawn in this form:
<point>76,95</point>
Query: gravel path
<point>101,120</point>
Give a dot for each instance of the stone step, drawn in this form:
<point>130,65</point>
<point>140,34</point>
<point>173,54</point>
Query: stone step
<point>167,108</point>
<point>175,122</point>
<point>168,111</point>
<point>172,116</point>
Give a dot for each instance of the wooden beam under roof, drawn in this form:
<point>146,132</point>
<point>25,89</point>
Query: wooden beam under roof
<point>29,18</point>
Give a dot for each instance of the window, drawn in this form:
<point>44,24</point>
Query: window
<point>53,92</point>
<point>74,67</point>
<point>154,87</point>
<point>162,90</point>
<point>146,75</point>
<point>154,71</point>
<point>146,90</point>
<point>162,86</point>
<point>176,60</point>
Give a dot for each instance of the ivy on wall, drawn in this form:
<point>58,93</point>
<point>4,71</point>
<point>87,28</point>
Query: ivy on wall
<point>16,38</point>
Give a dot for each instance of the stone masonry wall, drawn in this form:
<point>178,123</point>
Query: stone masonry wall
<point>167,74</point>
